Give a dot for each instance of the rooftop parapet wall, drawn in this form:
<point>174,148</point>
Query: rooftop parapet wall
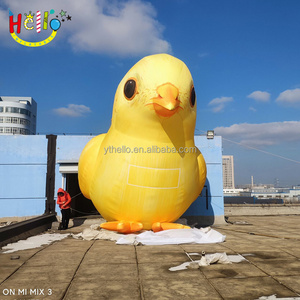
<point>261,209</point>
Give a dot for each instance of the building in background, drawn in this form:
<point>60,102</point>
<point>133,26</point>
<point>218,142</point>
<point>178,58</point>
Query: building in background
<point>17,115</point>
<point>228,172</point>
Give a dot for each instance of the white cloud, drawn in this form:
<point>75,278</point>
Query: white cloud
<point>203,54</point>
<point>3,17</point>
<point>112,27</point>
<point>290,97</point>
<point>72,110</point>
<point>260,96</point>
<point>264,134</point>
<point>218,104</point>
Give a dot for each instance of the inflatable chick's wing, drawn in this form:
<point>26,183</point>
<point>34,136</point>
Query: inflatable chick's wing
<point>146,171</point>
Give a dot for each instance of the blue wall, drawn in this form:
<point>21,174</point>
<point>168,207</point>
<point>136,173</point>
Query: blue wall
<point>211,200</point>
<point>23,168</point>
<point>70,147</point>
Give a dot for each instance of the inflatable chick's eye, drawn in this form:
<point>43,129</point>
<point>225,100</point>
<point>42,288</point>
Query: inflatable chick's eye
<point>193,97</point>
<point>130,88</point>
<point>153,182</point>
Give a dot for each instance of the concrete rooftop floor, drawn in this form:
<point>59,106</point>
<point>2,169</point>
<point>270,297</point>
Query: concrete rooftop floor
<point>77,269</point>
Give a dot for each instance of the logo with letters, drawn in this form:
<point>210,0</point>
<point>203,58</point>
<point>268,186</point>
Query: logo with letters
<point>36,22</point>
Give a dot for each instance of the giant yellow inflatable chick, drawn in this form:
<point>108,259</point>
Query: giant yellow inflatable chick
<point>146,171</point>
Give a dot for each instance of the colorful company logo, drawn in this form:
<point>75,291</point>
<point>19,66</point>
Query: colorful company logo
<point>40,24</point>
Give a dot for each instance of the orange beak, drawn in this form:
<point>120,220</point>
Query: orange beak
<point>166,103</point>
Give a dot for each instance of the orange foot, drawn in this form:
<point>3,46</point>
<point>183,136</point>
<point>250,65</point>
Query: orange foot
<point>122,226</point>
<point>157,226</point>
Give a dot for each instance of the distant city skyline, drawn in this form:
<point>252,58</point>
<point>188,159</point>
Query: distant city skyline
<point>243,56</point>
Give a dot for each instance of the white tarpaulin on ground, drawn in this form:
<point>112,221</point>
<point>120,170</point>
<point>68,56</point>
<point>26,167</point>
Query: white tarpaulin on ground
<point>34,242</point>
<point>208,259</point>
<point>166,237</point>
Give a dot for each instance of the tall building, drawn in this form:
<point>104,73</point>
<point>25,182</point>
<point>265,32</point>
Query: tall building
<point>228,172</point>
<point>17,115</point>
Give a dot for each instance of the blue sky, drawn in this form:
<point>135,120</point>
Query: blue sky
<point>244,56</point>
